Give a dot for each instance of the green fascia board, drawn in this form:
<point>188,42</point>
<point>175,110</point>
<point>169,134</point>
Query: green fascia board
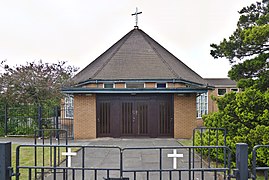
<point>131,90</point>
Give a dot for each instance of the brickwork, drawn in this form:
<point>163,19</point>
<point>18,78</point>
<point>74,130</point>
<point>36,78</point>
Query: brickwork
<point>150,85</point>
<point>85,116</point>
<point>119,85</point>
<point>176,85</point>
<point>94,85</point>
<point>184,115</point>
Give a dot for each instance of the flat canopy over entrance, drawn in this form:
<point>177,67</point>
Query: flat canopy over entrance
<point>137,115</point>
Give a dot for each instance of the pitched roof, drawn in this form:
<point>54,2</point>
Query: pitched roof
<point>137,56</point>
<point>221,82</point>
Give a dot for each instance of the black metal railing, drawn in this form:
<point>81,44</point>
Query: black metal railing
<point>262,169</point>
<point>108,162</point>
<point>23,120</point>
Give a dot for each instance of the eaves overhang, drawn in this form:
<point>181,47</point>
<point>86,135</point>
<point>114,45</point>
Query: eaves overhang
<point>136,91</point>
<point>143,80</point>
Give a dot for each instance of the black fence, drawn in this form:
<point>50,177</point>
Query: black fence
<point>23,120</point>
<point>120,163</point>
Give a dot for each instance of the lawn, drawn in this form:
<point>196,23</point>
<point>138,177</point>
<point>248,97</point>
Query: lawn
<point>27,158</point>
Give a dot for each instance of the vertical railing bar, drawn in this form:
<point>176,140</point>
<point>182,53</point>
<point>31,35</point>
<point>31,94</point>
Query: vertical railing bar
<point>190,164</point>
<point>135,175</point>
<point>121,162</point>
<point>55,162</point>
<point>83,162</point>
<point>50,151</point>
<point>209,159</point>
<point>43,141</point>
<point>170,174</point>
<point>217,150</point>
<point>203,174</point>
<point>179,175</point>
<point>30,173</point>
<point>42,174</point>
<point>95,174</point>
<point>73,174</point>
<point>202,150</point>
<point>64,174</point>
<point>147,175</point>
<point>266,174</point>
<point>161,162</point>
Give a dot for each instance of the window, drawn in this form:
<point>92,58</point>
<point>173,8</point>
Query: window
<point>138,85</point>
<point>108,85</point>
<point>69,106</point>
<point>161,85</point>
<point>221,92</point>
<point>234,89</point>
<point>201,105</point>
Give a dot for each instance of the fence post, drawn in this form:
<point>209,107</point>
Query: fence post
<point>242,161</point>
<point>5,160</point>
<point>39,119</point>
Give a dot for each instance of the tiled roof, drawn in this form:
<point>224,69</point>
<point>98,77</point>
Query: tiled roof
<point>137,56</point>
<point>221,82</point>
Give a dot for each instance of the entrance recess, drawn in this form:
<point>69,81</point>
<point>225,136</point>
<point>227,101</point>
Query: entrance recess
<point>134,115</point>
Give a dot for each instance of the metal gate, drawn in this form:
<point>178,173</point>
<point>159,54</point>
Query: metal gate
<point>121,163</point>
<point>134,116</point>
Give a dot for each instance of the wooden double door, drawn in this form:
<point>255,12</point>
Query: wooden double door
<point>134,115</point>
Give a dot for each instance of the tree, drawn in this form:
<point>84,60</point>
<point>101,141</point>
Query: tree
<point>35,83</point>
<point>250,44</point>
<point>245,117</point>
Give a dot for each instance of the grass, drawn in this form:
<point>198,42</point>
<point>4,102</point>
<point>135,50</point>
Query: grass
<point>27,158</point>
<point>185,142</point>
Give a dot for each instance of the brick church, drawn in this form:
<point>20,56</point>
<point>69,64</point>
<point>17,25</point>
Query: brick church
<point>136,88</point>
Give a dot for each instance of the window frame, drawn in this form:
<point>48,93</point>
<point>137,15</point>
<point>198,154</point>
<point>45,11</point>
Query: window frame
<point>133,83</point>
<point>113,85</point>
<point>201,107</point>
<point>69,107</point>
<point>160,84</point>
<point>221,89</point>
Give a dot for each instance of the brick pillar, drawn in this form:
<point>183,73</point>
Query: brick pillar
<point>184,115</point>
<point>85,116</point>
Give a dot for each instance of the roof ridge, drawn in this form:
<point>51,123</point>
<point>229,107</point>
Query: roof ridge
<point>163,60</point>
<point>124,39</point>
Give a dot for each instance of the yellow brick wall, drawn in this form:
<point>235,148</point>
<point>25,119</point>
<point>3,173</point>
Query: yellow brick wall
<point>85,116</point>
<point>94,85</point>
<point>150,85</point>
<point>184,115</point>
<point>176,85</point>
<point>119,85</point>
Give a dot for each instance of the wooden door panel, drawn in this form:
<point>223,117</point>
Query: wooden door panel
<point>104,119</point>
<point>142,118</point>
<point>127,118</point>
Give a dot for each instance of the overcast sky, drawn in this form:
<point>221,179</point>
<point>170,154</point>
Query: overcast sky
<point>78,31</point>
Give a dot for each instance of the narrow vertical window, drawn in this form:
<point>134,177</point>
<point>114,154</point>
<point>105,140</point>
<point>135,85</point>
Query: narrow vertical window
<point>201,105</point>
<point>69,106</point>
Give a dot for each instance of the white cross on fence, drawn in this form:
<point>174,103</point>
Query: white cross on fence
<point>69,154</point>
<point>174,156</point>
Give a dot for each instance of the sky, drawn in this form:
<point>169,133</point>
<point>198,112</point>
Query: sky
<point>78,31</point>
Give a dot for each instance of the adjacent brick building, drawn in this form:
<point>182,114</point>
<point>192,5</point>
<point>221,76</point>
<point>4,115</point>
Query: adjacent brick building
<point>136,89</point>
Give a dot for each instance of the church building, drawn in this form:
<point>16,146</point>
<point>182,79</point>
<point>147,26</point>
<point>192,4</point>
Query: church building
<point>136,88</point>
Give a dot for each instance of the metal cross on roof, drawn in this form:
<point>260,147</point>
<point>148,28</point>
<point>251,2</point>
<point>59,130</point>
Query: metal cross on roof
<point>136,17</point>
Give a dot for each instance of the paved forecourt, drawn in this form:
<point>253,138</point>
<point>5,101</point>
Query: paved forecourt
<point>133,159</point>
